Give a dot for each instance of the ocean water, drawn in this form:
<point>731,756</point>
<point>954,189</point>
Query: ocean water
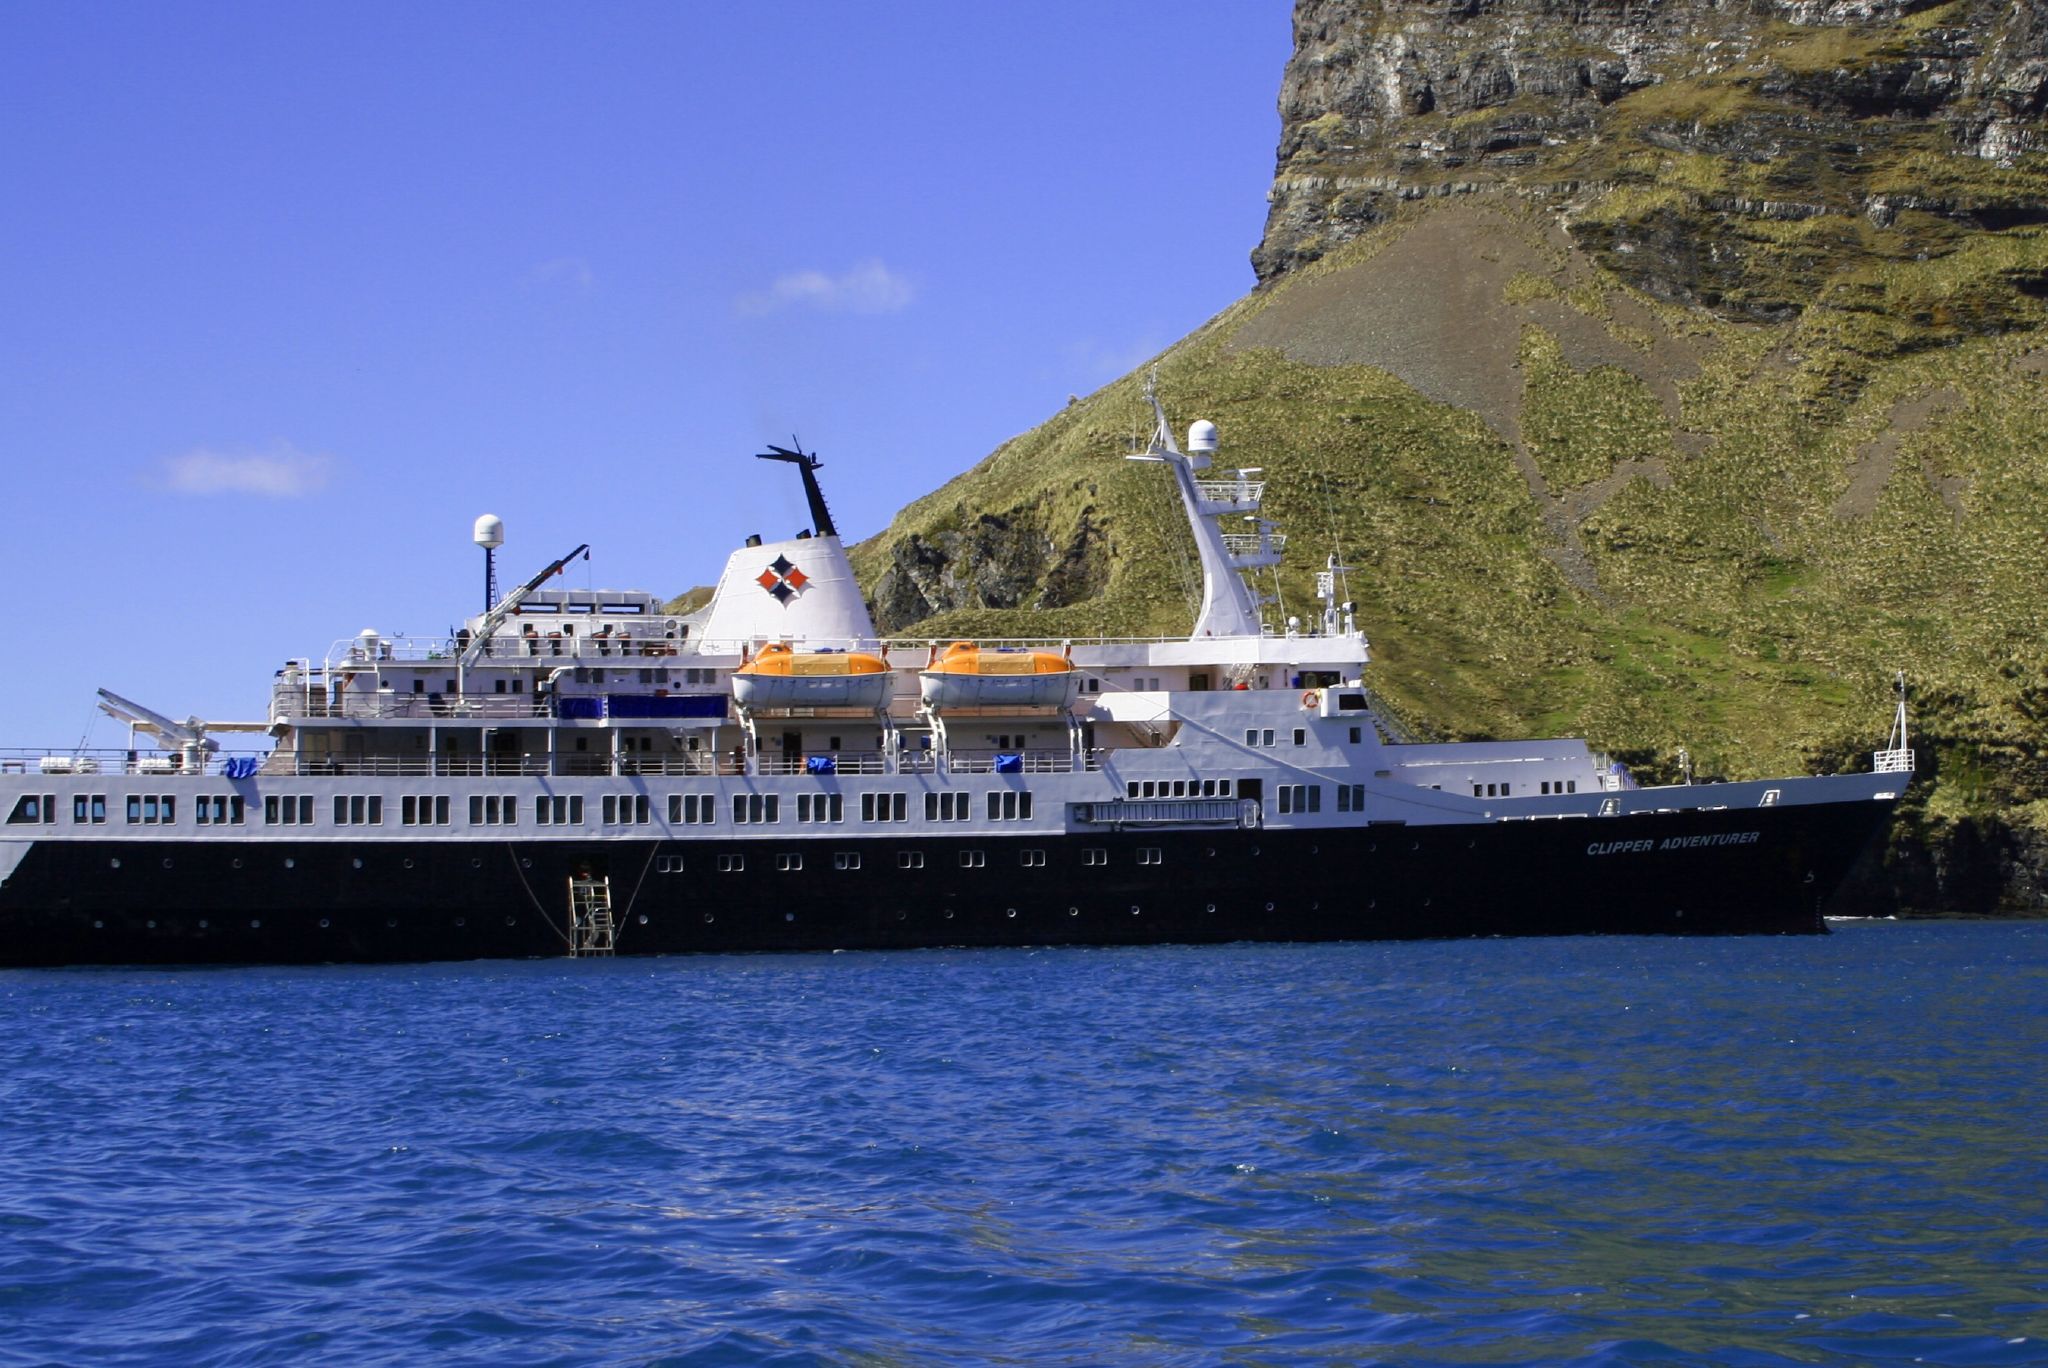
<point>1580,1151</point>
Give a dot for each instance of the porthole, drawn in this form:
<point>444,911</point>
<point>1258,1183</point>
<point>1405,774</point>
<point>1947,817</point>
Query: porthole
<point>901,915</point>
<point>1427,901</point>
<point>1134,909</point>
<point>99,926</point>
<point>1011,912</point>
<point>1315,850</point>
<point>408,862</point>
<point>1210,852</point>
<point>1415,845</point>
<point>235,863</point>
<point>391,923</point>
<point>255,925</point>
<point>1269,907</point>
<point>114,863</point>
<point>1314,905</point>
<point>708,919</point>
<point>290,863</point>
<point>1471,844</point>
<point>949,914</point>
<point>1255,850</point>
<point>475,863</point>
<point>151,925</point>
<point>643,919</point>
<point>525,863</point>
<point>202,923</point>
<point>323,923</point>
<point>1373,847</point>
<point>1073,911</point>
<point>789,916</point>
<point>1210,908</point>
<point>167,862</point>
<point>461,922</point>
<point>1371,903</point>
<point>511,921</point>
<point>356,863</point>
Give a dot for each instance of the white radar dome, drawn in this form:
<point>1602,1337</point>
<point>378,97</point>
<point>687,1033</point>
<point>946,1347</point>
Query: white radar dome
<point>1202,435</point>
<point>490,531</point>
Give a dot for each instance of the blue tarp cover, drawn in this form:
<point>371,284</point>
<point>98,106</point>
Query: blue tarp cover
<point>820,764</point>
<point>1009,764</point>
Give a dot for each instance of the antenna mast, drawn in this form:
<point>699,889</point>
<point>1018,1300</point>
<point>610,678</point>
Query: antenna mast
<point>806,463</point>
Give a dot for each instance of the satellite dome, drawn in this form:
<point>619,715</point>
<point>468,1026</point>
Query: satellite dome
<point>490,531</point>
<point>1201,435</point>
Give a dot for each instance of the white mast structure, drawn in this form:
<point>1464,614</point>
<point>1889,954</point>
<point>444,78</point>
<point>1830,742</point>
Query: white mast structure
<point>1229,607</point>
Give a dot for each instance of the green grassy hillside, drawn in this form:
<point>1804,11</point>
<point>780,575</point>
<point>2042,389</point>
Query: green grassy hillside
<point>1577,509</point>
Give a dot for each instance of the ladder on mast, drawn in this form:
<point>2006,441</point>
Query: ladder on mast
<point>591,928</point>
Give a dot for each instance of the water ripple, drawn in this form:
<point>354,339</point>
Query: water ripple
<point>1581,1152</point>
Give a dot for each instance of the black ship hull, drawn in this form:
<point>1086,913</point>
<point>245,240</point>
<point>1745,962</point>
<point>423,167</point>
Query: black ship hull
<point>279,902</point>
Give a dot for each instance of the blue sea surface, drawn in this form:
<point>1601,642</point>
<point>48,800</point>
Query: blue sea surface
<point>1571,1151</point>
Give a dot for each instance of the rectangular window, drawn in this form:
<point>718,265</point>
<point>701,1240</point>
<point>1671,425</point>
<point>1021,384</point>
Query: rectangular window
<point>1571,786</point>
<point>731,864</point>
<point>945,807</point>
<point>621,809</point>
<point>1544,787</point>
<point>756,808</point>
<point>846,859</point>
<point>1266,737</point>
<point>668,864</point>
<point>1031,859</point>
<point>555,809</point>
<point>1151,855</point>
<point>689,808</point>
<point>910,859</point>
<point>218,809</point>
<point>493,810</point>
<point>287,810</point>
<point>423,810</point>
<point>1300,736</point>
<point>1476,791</point>
<point>1094,856</point>
<point>359,810</point>
<point>973,859</point>
<point>1009,805</point>
<point>788,863</point>
<point>820,807</point>
<point>1357,735</point>
<point>884,807</point>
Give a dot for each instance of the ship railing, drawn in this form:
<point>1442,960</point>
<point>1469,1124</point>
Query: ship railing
<point>287,702</point>
<point>698,763</point>
<point>105,761</point>
<point>1032,761</point>
<point>843,762</point>
<point>1893,761</point>
<point>412,766</point>
<point>593,646</point>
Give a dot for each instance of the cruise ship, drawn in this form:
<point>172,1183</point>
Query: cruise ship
<point>581,773</point>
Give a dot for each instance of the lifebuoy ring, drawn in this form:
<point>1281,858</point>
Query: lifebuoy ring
<point>1311,698</point>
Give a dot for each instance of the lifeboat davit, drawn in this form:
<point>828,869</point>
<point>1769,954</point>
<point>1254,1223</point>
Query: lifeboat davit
<point>783,678</point>
<point>969,676</point>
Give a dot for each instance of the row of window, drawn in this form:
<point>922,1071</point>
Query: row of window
<point>1300,797</point>
<point>789,861</point>
<point>1180,788</point>
<point>1505,790</point>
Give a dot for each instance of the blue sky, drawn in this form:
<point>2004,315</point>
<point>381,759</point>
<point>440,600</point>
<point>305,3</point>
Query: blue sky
<point>290,293</point>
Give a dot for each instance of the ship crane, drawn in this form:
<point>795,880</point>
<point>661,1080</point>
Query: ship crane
<point>189,738</point>
<point>505,609</point>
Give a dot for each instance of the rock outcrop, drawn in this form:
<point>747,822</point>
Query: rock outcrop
<point>1726,154</point>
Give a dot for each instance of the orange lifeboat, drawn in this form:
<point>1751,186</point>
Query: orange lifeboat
<point>967,675</point>
<point>780,677</point>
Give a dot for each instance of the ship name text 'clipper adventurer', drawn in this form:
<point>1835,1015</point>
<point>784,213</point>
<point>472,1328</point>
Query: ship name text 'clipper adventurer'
<point>577,772</point>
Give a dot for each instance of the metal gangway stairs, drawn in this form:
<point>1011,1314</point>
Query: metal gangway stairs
<point>591,928</point>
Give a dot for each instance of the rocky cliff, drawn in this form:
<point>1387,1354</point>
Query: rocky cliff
<point>1881,129</point>
<point>1673,373</point>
